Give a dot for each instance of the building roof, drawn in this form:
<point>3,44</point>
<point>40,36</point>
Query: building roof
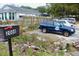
<point>13,8</point>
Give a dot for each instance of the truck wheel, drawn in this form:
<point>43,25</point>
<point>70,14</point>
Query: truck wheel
<point>66,34</point>
<point>44,30</point>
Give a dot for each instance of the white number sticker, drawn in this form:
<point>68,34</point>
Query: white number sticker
<point>56,28</point>
<point>11,32</point>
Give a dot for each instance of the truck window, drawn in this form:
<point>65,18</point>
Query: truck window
<point>56,24</point>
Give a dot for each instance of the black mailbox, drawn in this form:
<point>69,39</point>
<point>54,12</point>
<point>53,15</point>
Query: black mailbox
<point>8,31</point>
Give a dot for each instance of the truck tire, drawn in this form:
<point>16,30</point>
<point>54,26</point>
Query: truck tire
<point>66,34</point>
<point>44,30</point>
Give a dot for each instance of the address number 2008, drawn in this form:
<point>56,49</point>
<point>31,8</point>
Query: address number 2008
<point>11,32</point>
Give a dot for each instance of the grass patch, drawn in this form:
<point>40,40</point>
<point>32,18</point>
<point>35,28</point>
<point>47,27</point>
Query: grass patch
<point>33,27</point>
<point>22,39</point>
<point>3,49</point>
<point>46,48</point>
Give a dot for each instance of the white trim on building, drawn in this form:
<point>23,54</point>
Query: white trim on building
<point>8,16</point>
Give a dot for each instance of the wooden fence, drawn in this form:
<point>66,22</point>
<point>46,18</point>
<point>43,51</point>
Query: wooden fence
<point>33,20</point>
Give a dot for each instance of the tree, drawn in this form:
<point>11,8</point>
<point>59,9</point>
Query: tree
<point>41,9</point>
<point>63,9</point>
<point>26,7</point>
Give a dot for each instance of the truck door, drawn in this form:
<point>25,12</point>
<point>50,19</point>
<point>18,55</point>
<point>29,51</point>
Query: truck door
<point>56,27</point>
<point>50,27</point>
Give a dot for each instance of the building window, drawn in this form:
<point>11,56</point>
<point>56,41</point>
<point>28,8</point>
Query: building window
<point>5,16</point>
<point>9,15</point>
<point>2,16</point>
<point>13,16</point>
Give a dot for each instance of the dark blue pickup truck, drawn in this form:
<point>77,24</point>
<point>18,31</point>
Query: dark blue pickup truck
<point>56,27</point>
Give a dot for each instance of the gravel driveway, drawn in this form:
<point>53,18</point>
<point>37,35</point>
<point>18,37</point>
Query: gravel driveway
<point>74,37</point>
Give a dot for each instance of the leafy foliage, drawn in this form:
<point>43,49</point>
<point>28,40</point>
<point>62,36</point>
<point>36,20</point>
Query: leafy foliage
<point>42,9</point>
<point>33,26</point>
<point>63,9</point>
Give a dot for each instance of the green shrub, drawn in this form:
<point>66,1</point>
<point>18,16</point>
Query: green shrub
<point>70,48</point>
<point>42,44</point>
<point>16,52</point>
<point>22,38</point>
<point>29,52</point>
<point>3,49</point>
<point>42,54</point>
<point>25,38</point>
<point>61,53</point>
<point>33,26</point>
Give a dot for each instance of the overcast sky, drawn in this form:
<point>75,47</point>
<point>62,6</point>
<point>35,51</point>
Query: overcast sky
<point>31,3</point>
<point>35,3</point>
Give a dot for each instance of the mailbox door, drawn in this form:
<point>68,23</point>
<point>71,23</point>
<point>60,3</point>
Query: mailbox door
<point>9,33</point>
<point>1,35</point>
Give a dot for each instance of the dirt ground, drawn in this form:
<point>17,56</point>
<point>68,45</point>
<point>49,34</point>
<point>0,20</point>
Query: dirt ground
<point>71,39</point>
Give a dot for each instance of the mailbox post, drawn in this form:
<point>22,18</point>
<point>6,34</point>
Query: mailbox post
<point>10,47</point>
<point>7,32</point>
